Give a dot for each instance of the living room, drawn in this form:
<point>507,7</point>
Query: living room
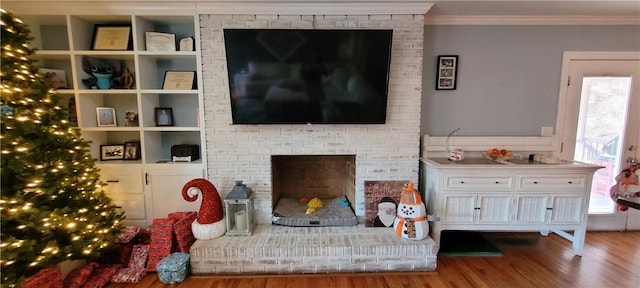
<point>501,67</point>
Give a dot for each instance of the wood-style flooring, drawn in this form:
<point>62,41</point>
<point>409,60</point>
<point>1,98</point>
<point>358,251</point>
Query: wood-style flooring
<point>610,259</point>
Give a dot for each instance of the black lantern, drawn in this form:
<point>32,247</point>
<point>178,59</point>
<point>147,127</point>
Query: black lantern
<point>240,218</point>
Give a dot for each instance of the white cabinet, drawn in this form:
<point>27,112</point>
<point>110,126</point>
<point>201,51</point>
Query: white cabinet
<point>64,42</point>
<point>509,197</point>
<point>483,208</point>
<point>124,187</point>
<point>165,185</point>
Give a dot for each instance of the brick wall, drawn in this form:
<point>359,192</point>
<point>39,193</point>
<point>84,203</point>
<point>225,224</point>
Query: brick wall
<point>243,152</point>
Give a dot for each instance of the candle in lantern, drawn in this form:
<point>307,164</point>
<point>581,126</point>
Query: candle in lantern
<point>241,220</point>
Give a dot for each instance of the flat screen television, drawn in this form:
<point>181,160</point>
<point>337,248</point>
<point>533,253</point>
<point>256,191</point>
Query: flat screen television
<point>295,76</point>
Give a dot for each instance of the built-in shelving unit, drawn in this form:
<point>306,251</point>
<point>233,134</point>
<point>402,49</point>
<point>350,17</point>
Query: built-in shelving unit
<point>64,43</point>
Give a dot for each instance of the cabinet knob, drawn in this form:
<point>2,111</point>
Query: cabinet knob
<point>113,181</point>
<point>535,182</point>
<point>497,182</point>
<point>461,182</point>
<point>549,208</point>
<point>570,182</point>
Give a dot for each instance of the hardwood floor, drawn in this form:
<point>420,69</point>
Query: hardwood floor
<point>610,259</point>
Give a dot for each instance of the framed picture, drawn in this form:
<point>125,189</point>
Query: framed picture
<point>55,77</point>
<point>131,150</point>
<point>106,116</point>
<point>179,80</point>
<point>164,117</point>
<point>131,119</point>
<point>111,152</point>
<point>111,37</point>
<point>157,41</point>
<point>447,72</point>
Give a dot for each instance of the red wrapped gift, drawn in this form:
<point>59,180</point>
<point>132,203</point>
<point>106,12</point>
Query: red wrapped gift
<point>182,215</point>
<point>162,241</point>
<point>78,276</point>
<point>101,276</point>
<point>45,278</point>
<point>117,254</point>
<point>129,275</point>
<point>128,234</point>
<point>183,233</point>
<point>139,256</point>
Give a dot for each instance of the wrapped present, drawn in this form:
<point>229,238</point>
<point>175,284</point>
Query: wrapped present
<point>45,278</point>
<point>173,268</point>
<point>101,276</point>
<point>118,253</point>
<point>78,276</point>
<point>182,215</point>
<point>129,275</point>
<point>182,231</point>
<point>139,256</point>
<point>128,234</point>
<point>162,241</point>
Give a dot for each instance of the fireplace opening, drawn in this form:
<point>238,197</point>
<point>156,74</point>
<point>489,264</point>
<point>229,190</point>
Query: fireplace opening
<point>331,178</point>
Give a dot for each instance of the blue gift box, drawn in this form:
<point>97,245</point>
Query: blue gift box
<point>173,268</point>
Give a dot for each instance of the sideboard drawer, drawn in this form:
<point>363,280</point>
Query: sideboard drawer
<point>484,183</point>
<point>552,182</point>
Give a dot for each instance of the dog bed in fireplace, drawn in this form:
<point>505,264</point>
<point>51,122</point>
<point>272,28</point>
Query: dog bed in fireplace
<point>290,212</point>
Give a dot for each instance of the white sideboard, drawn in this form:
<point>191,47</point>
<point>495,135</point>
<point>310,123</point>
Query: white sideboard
<point>483,195</point>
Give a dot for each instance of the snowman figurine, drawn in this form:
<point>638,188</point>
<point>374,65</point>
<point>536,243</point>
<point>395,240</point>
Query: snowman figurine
<point>411,219</point>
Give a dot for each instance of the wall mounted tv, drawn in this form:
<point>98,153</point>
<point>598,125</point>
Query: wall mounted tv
<point>293,76</point>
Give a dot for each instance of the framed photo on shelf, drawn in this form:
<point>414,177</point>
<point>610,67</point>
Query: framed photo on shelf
<point>164,117</point>
<point>106,116</point>
<point>158,41</point>
<point>57,78</point>
<point>111,37</point>
<point>132,150</point>
<point>447,72</point>
<point>111,152</point>
<point>179,80</point>
<point>131,119</point>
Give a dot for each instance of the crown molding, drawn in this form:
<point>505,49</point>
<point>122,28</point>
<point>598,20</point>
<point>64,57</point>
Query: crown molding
<point>281,7</point>
<point>531,20</point>
<point>314,7</point>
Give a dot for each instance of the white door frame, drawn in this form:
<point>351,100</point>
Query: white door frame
<point>562,118</point>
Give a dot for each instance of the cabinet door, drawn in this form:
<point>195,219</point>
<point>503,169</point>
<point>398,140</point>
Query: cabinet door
<point>493,209</point>
<point>459,208</point>
<point>567,209</point>
<point>165,187</point>
<point>124,187</point>
<point>531,209</point>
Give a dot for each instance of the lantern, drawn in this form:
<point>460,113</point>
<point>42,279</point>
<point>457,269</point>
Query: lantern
<point>240,211</point>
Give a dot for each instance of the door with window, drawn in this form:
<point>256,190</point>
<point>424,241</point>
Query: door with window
<point>599,123</point>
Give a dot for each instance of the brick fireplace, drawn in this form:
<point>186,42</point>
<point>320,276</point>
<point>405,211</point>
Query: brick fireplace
<point>261,154</point>
<point>381,152</point>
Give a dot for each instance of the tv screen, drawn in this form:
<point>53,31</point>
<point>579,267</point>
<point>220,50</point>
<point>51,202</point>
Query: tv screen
<point>292,76</point>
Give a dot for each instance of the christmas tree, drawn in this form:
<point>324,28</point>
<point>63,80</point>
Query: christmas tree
<point>53,208</point>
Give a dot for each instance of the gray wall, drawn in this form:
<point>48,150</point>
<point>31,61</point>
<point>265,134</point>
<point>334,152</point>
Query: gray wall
<point>508,76</point>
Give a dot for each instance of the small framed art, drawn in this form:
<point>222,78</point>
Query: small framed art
<point>106,116</point>
<point>179,80</point>
<point>131,150</point>
<point>157,41</point>
<point>57,78</point>
<point>111,152</point>
<point>111,37</point>
<point>447,72</point>
<point>164,117</point>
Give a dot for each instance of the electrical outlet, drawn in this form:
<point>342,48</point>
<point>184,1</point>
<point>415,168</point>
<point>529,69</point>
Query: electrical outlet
<point>546,131</point>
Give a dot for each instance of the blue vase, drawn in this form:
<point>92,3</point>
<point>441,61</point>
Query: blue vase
<point>103,80</point>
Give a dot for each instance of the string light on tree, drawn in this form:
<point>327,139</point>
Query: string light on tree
<point>52,206</point>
